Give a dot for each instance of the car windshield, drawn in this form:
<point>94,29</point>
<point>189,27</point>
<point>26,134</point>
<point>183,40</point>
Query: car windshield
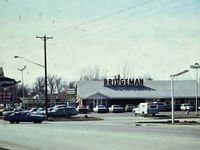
<point>116,106</point>
<point>101,106</point>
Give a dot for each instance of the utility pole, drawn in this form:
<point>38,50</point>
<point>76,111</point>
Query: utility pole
<point>45,38</point>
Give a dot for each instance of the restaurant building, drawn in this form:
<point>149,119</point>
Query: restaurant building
<point>134,91</point>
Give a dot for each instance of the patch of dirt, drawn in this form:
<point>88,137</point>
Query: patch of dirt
<point>84,118</point>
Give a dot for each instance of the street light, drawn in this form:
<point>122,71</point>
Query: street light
<point>22,83</point>
<point>196,66</point>
<point>46,107</point>
<point>172,90</point>
<point>29,61</point>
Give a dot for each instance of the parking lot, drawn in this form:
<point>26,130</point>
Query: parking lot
<point>115,132</point>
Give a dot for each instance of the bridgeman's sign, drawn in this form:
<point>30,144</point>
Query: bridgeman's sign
<point>5,82</point>
<point>6,97</point>
<point>117,81</point>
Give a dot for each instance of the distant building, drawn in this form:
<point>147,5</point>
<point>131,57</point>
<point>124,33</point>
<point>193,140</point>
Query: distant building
<point>110,92</point>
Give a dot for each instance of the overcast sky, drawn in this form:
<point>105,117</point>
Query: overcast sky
<point>155,37</point>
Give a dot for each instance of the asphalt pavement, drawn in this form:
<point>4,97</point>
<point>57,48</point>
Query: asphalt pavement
<point>115,132</point>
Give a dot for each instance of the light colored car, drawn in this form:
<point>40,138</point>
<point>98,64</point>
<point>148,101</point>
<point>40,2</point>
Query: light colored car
<point>186,107</point>
<point>59,106</point>
<point>4,113</point>
<point>40,111</point>
<point>116,108</point>
<point>100,109</point>
<point>33,110</point>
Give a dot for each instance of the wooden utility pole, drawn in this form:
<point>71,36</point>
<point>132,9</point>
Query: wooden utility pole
<point>45,38</point>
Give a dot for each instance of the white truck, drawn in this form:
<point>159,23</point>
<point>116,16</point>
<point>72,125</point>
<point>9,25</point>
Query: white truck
<point>146,109</point>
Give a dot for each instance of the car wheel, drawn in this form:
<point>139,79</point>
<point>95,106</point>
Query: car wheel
<point>35,121</point>
<point>17,122</point>
<point>12,122</point>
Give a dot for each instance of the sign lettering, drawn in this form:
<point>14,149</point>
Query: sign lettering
<point>117,81</point>
<point>6,97</point>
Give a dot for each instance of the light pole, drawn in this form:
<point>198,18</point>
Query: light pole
<point>29,61</point>
<point>172,90</point>
<point>22,70</point>
<point>196,66</point>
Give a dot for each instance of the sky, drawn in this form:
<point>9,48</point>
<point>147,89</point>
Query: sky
<point>150,37</point>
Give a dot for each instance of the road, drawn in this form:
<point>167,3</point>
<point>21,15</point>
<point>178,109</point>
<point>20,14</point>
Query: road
<point>113,133</point>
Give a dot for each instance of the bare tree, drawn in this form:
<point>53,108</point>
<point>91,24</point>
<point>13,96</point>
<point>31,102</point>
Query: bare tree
<point>54,83</point>
<point>92,74</point>
<point>39,83</point>
<point>126,70</point>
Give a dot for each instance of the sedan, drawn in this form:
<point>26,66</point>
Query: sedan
<point>116,108</point>
<point>100,108</point>
<point>62,112</point>
<point>9,112</point>
<point>24,116</point>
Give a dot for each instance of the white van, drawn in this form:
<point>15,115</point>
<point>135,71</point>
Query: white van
<point>146,109</point>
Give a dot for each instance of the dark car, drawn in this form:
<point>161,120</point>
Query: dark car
<point>24,117</point>
<point>62,112</point>
<point>129,107</point>
<point>82,109</point>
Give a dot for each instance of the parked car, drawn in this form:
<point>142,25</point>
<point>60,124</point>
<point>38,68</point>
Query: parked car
<point>8,109</point>
<point>100,109</point>
<point>82,109</point>
<point>162,106</point>
<point>32,110</point>
<point>24,116</point>
<point>116,108</point>
<point>9,112</point>
<point>40,111</point>
<point>186,107</point>
<point>43,110</point>
<point>59,106</point>
<point>129,107</point>
<point>62,112</point>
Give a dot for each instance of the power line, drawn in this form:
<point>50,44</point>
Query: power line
<point>106,16</point>
<point>153,15</point>
<point>144,17</point>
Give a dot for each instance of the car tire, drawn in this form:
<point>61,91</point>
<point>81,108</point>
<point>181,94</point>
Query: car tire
<point>35,121</point>
<point>12,122</point>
